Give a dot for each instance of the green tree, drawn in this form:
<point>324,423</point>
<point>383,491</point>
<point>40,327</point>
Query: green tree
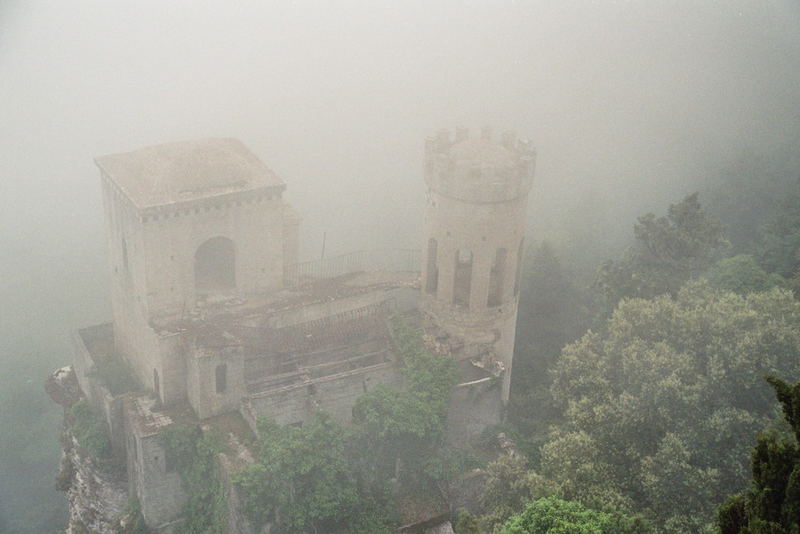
<point>657,405</point>
<point>429,376</point>
<point>742,274</point>
<point>772,504</point>
<point>194,455</point>
<point>667,252</point>
<point>322,477</point>
<point>394,428</point>
<point>747,191</point>
<point>780,238</point>
<point>510,485</point>
<point>552,515</point>
<point>466,523</point>
<point>89,429</point>
<point>551,313</point>
<point>301,481</point>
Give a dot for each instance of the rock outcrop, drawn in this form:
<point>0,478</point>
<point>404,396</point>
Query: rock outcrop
<point>96,489</point>
<point>97,496</point>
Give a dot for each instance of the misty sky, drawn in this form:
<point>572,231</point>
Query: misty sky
<point>631,104</point>
<point>627,102</point>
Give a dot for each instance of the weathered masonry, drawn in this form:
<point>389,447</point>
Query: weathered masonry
<point>217,319</point>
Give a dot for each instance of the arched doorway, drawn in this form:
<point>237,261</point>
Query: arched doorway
<point>215,266</point>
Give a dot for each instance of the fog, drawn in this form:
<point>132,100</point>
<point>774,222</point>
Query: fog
<point>630,104</point>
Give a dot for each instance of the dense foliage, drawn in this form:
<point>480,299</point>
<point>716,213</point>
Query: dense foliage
<point>552,312</point>
<point>552,515</point>
<point>772,504</point>
<point>321,477</point>
<point>659,406</point>
<point>742,274</point>
<point>89,429</point>
<point>301,481</point>
<point>780,240</point>
<point>749,190</point>
<point>668,251</point>
<point>194,455</point>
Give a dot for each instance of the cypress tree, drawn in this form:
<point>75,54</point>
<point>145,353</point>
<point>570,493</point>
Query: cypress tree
<point>772,504</point>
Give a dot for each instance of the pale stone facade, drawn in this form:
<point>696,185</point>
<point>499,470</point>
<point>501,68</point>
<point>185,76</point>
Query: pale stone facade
<point>215,316</point>
<point>162,205</point>
<point>475,221</point>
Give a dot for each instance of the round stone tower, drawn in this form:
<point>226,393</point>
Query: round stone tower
<point>475,219</point>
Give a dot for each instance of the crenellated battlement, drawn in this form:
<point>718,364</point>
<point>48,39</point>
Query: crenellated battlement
<point>476,168</point>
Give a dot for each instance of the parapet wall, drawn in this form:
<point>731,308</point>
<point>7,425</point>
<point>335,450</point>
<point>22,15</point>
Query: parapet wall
<point>476,169</point>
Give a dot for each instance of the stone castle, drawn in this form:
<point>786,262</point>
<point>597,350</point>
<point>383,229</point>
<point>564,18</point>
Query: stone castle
<point>221,324</point>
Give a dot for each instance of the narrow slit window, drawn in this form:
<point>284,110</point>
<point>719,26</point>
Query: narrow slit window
<point>518,273</point>
<point>221,376</point>
<point>462,279</point>
<point>496,276</point>
<point>432,272</point>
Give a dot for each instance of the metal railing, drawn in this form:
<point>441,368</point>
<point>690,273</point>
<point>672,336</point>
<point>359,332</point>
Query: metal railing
<point>362,260</point>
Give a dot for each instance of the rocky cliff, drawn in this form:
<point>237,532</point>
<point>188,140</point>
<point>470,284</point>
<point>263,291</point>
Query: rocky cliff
<point>95,489</point>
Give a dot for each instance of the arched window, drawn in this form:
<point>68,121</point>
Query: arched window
<point>496,276</point>
<point>432,272</point>
<point>462,278</point>
<point>221,378</point>
<point>215,266</point>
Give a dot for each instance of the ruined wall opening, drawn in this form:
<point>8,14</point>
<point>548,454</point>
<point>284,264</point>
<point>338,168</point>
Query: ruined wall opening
<point>221,378</point>
<point>518,274</point>
<point>432,271</point>
<point>462,278</point>
<point>496,276</point>
<point>215,266</point>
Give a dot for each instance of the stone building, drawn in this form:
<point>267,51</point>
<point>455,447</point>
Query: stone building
<point>217,319</point>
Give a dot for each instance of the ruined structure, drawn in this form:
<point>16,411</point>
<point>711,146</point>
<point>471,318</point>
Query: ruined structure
<point>217,319</point>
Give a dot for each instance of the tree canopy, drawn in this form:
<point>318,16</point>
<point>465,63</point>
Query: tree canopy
<point>657,405</point>
<point>667,252</point>
<point>772,504</point>
<point>552,515</point>
<point>742,274</point>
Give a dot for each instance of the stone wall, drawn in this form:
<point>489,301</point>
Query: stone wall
<point>202,366</point>
<point>152,259</point>
<point>98,396</point>
<point>474,235</point>
<point>159,490</point>
<point>473,408</point>
<point>336,394</point>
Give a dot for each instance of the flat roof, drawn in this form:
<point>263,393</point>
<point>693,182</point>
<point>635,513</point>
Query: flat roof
<point>187,170</point>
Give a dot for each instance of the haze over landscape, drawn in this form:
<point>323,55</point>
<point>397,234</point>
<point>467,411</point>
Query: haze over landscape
<point>631,105</point>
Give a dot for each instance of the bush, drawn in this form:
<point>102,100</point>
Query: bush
<point>89,429</point>
<point>556,516</point>
<point>194,455</point>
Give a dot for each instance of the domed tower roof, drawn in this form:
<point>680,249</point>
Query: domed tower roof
<point>479,169</point>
